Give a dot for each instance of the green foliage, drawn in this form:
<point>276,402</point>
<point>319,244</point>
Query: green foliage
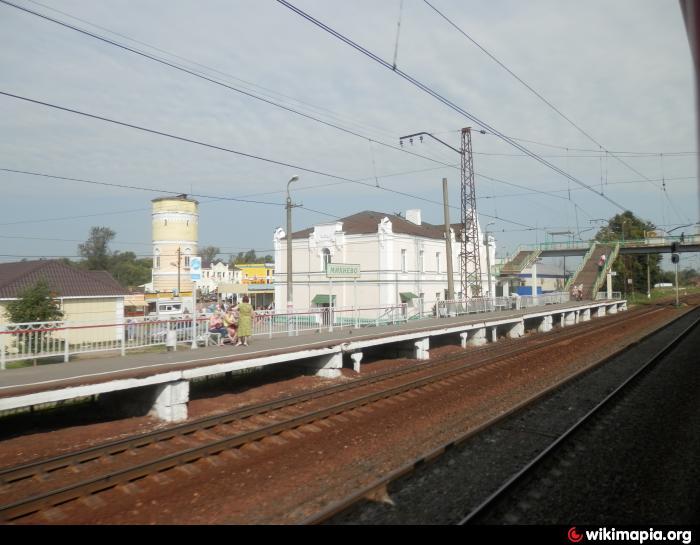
<point>128,270</point>
<point>627,226</point>
<point>250,257</point>
<point>35,304</point>
<point>125,267</point>
<point>95,250</point>
<point>209,253</point>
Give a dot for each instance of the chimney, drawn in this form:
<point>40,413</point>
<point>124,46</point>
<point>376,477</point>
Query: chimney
<point>413,216</point>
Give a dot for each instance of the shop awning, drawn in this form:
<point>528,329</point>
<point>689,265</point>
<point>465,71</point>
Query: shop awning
<point>322,299</point>
<point>407,296</point>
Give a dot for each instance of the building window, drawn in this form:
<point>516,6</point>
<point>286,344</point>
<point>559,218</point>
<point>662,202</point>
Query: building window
<point>437,296</point>
<point>326,257</point>
<point>420,261</point>
<point>156,259</point>
<point>437,261</point>
<point>403,260</point>
<point>187,256</point>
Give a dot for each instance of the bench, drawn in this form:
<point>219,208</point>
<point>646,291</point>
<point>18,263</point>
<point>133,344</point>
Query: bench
<point>210,339</point>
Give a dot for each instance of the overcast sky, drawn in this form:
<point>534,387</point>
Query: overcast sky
<point>621,70</point>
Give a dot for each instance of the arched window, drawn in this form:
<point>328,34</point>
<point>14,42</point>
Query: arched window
<point>188,251</point>
<point>156,259</point>
<point>326,257</point>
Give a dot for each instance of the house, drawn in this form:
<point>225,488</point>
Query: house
<point>400,259</point>
<point>90,297</point>
<point>259,280</point>
<point>215,273</point>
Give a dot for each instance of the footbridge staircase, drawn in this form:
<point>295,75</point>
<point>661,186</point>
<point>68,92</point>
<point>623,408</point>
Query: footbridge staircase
<point>522,260</point>
<point>588,273</point>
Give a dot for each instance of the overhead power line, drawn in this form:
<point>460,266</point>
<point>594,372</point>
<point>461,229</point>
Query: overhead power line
<point>151,57</point>
<point>425,88</point>
<point>549,104</point>
<point>216,82</point>
<point>228,150</point>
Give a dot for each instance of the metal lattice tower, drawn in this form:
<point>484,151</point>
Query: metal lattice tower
<point>469,256</point>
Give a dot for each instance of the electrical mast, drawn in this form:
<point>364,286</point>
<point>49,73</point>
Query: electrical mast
<point>470,255</point>
<point>470,259</point>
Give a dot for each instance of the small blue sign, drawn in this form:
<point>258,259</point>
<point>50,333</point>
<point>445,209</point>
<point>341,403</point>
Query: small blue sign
<point>195,268</point>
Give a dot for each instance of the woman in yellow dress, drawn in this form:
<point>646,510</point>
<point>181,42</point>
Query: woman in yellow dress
<point>245,321</point>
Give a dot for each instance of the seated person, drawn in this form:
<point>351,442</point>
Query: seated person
<point>216,325</point>
<point>230,320</point>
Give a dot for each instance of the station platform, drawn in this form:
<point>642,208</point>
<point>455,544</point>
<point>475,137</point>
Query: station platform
<point>161,380</point>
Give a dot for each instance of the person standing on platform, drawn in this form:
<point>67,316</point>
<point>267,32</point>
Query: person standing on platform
<point>245,321</point>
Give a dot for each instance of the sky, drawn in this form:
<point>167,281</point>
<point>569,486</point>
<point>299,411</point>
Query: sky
<point>621,71</point>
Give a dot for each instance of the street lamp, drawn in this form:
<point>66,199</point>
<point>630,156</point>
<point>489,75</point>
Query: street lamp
<point>488,257</point>
<point>290,300</point>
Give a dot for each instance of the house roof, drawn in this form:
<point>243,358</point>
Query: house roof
<point>366,223</point>
<point>63,279</point>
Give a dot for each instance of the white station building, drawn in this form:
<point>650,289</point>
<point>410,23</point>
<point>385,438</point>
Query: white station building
<point>400,259</point>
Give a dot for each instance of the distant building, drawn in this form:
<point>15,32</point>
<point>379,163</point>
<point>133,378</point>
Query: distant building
<point>400,258</point>
<point>215,273</point>
<point>92,297</point>
<point>259,280</point>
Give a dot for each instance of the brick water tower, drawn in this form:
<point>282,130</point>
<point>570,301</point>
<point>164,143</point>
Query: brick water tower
<point>175,234</point>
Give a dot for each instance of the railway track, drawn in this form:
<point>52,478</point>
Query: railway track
<point>442,372</point>
<point>378,488</point>
<point>506,497</point>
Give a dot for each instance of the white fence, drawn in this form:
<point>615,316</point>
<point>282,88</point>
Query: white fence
<point>61,340</point>
<point>602,295</point>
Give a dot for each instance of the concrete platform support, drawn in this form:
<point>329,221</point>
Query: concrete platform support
<point>569,318</point>
<point>612,309</point>
<point>474,337</point>
<point>516,330</point>
<point>585,315</point>
<point>622,306</point>
<point>546,324</point>
<point>171,401</point>
<point>327,366</point>
<point>598,312</point>
<point>494,334</point>
<point>416,349</point>
<point>422,349</point>
<point>356,358</point>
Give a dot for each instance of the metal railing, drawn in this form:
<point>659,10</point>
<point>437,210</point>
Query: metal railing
<point>61,340</point>
<point>603,295</point>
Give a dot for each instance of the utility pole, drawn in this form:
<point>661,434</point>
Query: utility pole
<point>290,284</point>
<point>488,259</point>
<point>448,243</point>
<point>469,255</point>
<point>179,251</point>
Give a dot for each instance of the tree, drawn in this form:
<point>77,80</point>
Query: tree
<point>627,226</point>
<point>128,270</point>
<point>208,253</point>
<point>95,250</point>
<point>36,303</point>
<point>250,257</point>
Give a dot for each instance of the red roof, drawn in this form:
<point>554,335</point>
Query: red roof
<point>367,222</point>
<point>63,279</point>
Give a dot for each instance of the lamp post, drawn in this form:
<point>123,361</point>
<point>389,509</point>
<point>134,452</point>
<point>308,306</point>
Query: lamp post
<point>488,257</point>
<point>290,299</point>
